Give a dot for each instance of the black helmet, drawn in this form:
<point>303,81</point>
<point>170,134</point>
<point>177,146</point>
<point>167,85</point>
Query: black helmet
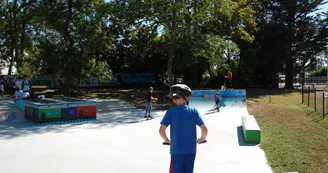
<point>180,91</point>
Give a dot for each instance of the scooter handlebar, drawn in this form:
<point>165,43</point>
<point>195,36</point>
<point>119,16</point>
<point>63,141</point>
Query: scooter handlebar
<point>166,143</point>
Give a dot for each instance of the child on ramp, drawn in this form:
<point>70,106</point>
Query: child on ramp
<point>183,121</point>
<point>217,98</point>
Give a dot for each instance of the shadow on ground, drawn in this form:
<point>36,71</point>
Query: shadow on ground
<point>241,138</point>
<point>136,97</point>
<point>110,113</point>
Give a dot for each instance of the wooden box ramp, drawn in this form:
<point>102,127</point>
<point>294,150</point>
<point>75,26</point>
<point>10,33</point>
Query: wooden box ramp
<point>251,129</point>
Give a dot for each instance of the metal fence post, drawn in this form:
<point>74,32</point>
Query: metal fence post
<point>323,105</point>
<point>302,94</point>
<point>308,96</point>
<point>315,100</point>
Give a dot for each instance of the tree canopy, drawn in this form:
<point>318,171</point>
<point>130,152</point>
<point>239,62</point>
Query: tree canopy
<point>197,41</point>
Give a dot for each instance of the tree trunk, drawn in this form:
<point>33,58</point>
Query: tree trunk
<point>22,41</point>
<point>11,64</point>
<point>15,40</point>
<point>69,40</point>
<point>68,83</point>
<point>289,73</point>
<point>290,35</point>
<point>172,44</point>
<point>13,37</point>
<point>239,73</point>
<point>209,70</point>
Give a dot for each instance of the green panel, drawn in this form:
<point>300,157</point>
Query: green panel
<point>50,113</point>
<point>253,136</point>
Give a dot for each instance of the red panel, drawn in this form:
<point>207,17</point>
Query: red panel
<point>28,111</point>
<point>86,111</point>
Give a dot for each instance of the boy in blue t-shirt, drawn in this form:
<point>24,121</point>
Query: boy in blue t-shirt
<point>217,98</point>
<point>184,121</point>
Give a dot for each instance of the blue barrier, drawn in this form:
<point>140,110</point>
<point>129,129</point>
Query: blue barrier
<point>136,78</point>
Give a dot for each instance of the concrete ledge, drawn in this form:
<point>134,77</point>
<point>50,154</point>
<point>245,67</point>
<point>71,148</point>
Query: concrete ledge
<point>251,129</point>
<point>21,105</point>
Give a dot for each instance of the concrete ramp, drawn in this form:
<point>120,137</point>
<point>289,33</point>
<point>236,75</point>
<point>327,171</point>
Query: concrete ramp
<point>227,105</point>
<point>15,115</point>
<point>226,147</point>
<point>233,101</point>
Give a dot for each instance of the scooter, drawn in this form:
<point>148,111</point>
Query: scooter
<point>166,143</point>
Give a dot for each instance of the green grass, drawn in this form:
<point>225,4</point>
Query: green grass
<point>294,137</point>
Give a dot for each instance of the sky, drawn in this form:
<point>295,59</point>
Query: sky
<point>324,8</point>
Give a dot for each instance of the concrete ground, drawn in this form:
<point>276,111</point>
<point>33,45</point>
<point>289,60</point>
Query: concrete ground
<point>121,141</point>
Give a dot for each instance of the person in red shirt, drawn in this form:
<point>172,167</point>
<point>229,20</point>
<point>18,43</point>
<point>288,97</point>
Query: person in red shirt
<point>228,82</point>
<point>230,75</point>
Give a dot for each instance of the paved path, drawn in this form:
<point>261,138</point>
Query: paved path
<point>120,141</point>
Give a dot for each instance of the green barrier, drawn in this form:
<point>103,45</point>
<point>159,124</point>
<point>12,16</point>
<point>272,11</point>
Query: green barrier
<point>49,113</point>
<point>251,129</point>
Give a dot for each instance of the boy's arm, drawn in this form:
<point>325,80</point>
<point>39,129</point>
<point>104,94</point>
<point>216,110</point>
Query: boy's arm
<point>204,133</point>
<point>153,98</point>
<point>163,133</point>
<point>203,128</point>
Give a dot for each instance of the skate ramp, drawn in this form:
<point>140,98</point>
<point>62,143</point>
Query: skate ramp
<point>233,101</point>
<point>226,145</point>
<point>10,113</point>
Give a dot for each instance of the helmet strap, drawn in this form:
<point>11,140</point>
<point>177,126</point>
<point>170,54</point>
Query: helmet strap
<point>186,100</point>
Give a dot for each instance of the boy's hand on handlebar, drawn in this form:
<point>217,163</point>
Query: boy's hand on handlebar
<point>201,140</point>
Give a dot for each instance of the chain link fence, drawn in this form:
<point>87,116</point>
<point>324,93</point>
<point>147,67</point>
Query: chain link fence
<point>317,99</point>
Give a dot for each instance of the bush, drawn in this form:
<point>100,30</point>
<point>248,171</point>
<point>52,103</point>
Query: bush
<point>319,72</point>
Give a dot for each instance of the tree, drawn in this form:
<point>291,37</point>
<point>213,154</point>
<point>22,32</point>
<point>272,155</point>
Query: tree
<point>73,34</point>
<point>15,18</point>
<point>305,34</point>
<point>283,45</point>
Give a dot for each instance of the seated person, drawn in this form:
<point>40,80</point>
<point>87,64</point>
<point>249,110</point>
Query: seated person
<point>19,83</point>
<point>26,95</point>
<point>19,94</point>
<point>26,85</point>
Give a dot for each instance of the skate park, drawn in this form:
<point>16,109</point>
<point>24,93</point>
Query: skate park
<point>120,140</point>
<point>104,55</point>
